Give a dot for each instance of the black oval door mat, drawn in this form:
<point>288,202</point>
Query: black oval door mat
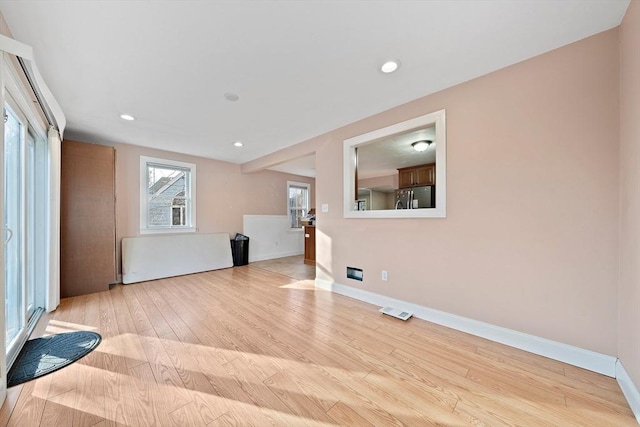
<point>42,356</point>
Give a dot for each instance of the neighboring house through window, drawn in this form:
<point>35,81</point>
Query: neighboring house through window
<point>298,203</point>
<point>167,196</point>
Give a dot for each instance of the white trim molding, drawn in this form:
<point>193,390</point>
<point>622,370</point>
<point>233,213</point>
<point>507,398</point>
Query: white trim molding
<point>436,119</point>
<point>587,359</point>
<point>48,103</point>
<point>52,298</point>
<point>629,389</point>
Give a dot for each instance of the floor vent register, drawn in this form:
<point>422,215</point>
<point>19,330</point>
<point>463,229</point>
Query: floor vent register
<point>397,313</point>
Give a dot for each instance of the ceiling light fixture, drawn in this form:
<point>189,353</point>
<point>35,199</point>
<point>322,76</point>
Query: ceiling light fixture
<point>127,117</point>
<point>421,145</point>
<point>389,66</point>
<point>233,97</point>
<point>238,144</point>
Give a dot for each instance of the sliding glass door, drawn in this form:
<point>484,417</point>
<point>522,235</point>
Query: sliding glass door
<point>24,216</point>
<point>15,309</point>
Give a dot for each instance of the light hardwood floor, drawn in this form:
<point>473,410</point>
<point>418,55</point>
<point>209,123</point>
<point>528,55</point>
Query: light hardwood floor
<point>292,266</point>
<point>246,346</point>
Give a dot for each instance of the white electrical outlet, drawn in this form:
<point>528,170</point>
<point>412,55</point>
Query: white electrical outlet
<point>325,207</point>
<point>385,276</point>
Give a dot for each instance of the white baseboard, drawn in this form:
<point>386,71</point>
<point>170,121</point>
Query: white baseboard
<point>274,255</point>
<point>629,389</point>
<point>587,359</point>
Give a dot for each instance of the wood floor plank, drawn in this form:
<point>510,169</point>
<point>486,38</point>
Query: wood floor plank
<point>345,416</point>
<point>202,324</point>
<point>31,403</point>
<point>300,396</point>
<point>90,398</point>
<point>613,414</point>
<point>592,378</point>
<point>187,416</point>
<point>118,389</point>
<point>210,406</point>
<point>138,314</point>
<point>152,313</point>
<point>341,383</point>
<point>76,315</point>
<point>522,359</point>
<point>178,326</point>
<point>483,416</point>
<point>165,373</point>
<point>148,396</point>
<point>58,410</point>
<point>63,381</point>
<point>244,387</point>
<point>248,347</point>
<point>127,343</point>
<point>9,404</point>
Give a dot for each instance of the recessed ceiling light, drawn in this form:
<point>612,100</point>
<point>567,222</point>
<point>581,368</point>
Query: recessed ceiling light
<point>126,117</point>
<point>238,144</point>
<point>233,97</point>
<point>389,66</point>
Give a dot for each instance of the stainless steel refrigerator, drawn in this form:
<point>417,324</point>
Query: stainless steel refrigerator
<point>416,197</point>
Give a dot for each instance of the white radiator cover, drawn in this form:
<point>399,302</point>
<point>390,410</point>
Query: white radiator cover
<point>156,257</point>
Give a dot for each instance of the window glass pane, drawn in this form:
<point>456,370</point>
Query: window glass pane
<point>167,188</point>
<point>13,131</point>
<point>298,205</point>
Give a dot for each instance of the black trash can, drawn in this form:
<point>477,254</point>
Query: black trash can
<point>240,249</point>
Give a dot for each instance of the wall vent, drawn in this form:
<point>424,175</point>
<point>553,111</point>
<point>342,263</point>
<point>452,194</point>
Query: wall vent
<point>395,312</point>
<point>354,273</point>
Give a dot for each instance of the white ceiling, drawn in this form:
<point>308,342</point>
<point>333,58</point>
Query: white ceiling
<point>386,156</point>
<point>300,68</point>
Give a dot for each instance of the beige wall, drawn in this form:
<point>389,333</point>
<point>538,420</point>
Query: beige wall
<point>629,293</point>
<point>530,241</point>
<point>224,194</point>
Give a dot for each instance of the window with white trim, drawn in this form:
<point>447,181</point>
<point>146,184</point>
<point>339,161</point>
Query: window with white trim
<point>167,196</point>
<point>297,203</point>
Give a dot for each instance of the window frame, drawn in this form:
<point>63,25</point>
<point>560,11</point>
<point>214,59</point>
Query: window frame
<point>190,197</point>
<point>437,119</point>
<point>307,187</point>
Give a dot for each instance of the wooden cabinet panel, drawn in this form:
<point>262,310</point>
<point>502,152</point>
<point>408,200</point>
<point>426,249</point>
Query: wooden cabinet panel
<point>87,219</point>
<point>416,176</point>
<point>425,175</point>
<point>310,245</point>
<point>405,177</point>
